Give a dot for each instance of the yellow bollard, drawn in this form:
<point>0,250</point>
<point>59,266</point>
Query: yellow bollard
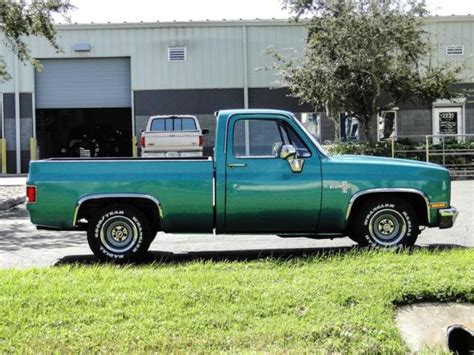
<point>33,145</point>
<point>3,154</point>
<point>134,147</point>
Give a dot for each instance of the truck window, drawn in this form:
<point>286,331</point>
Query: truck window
<point>294,139</point>
<point>189,124</point>
<point>255,138</point>
<point>173,124</point>
<point>158,125</point>
<point>258,138</point>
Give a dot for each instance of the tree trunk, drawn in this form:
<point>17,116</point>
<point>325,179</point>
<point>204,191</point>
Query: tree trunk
<point>371,129</point>
<point>333,114</point>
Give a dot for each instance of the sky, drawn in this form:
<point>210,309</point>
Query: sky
<point>101,11</point>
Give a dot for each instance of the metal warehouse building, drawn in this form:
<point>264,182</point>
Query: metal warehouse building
<point>109,78</point>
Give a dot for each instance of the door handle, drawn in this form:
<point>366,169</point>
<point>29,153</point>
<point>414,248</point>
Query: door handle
<point>237,165</point>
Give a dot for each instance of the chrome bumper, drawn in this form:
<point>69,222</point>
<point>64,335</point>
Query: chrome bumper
<point>447,217</point>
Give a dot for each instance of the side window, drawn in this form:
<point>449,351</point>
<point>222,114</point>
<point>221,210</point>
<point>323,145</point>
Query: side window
<point>256,138</point>
<point>261,138</point>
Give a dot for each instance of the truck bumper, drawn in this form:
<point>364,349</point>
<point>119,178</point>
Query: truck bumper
<point>447,217</point>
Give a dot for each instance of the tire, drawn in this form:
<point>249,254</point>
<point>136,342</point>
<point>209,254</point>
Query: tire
<point>119,233</point>
<point>385,223</point>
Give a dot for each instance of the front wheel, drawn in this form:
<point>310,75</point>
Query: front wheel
<point>385,223</point>
<point>119,233</point>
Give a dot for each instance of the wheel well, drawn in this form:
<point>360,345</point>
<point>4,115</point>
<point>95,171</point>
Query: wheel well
<point>416,201</point>
<point>146,206</point>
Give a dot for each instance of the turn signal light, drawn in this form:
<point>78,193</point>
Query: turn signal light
<point>201,141</point>
<point>438,205</point>
<point>31,194</point>
<point>142,141</point>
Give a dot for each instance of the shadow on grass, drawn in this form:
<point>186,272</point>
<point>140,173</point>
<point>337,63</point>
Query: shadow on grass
<point>158,257</point>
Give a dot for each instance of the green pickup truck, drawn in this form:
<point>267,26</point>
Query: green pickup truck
<point>268,175</point>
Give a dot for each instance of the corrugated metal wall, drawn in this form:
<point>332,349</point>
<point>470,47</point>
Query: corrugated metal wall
<point>214,51</point>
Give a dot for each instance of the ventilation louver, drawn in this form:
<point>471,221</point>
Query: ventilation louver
<point>176,54</point>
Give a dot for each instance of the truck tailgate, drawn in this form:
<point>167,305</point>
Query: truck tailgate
<point>171,141</point>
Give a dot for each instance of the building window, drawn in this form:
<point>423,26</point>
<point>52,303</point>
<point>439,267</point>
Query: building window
<point>455,50</point>
<point>349,127</point>
<point>176,54</point>
<point>387,124</point>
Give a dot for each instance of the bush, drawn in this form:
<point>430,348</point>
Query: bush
<point>409,149</point>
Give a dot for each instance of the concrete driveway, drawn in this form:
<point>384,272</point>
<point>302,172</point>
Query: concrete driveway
<point>21,245</point>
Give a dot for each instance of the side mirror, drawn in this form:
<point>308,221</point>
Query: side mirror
<point>205,131</point>
<point>287,152</point>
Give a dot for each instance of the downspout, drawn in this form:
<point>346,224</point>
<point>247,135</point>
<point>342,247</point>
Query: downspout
<point>17,118</point>
<point>245,67</point>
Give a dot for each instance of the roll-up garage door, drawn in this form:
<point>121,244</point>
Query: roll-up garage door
<point>83,83</point>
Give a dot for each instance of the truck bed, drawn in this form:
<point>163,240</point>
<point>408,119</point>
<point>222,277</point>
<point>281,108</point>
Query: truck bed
<point>184,188</point>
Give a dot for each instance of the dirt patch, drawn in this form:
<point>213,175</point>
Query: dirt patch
<point>11,196</point>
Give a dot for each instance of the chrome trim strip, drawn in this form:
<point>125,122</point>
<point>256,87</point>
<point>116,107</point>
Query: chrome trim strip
<point>124,195</point>
<point>130,160</point>
<point>387,190</point>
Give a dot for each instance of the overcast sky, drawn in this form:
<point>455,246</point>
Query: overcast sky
<point>100,11</point>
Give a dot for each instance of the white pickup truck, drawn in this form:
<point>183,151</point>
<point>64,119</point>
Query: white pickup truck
<point>172,136</point>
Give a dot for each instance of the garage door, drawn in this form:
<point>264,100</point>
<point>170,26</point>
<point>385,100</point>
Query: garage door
<point>83,83</point>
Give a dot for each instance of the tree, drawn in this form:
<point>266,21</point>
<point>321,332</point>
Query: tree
<point>364,57</point>
<point>22,18</point>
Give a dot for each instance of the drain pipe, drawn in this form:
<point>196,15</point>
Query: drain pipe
<point>17,118</point>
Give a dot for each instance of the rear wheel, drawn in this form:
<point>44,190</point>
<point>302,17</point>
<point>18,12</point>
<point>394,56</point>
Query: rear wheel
<point>119,233</point>
<point>385,223</point>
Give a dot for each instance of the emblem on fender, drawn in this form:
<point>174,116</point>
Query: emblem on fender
<point>344,186</point>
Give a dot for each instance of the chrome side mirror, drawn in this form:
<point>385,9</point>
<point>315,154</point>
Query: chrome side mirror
<point>287,152</point>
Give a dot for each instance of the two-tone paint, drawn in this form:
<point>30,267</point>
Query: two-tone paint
<point>229,194</point>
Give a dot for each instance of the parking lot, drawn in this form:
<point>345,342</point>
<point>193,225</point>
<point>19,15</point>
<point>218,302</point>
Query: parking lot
<point>21,245</point>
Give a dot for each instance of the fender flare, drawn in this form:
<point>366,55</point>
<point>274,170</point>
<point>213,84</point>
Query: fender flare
<point>87,198</point>
<point>387,190</point>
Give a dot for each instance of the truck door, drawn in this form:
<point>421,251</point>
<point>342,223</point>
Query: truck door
<point>263,194</point>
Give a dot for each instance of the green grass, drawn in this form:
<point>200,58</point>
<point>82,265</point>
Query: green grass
<point>342,303</point>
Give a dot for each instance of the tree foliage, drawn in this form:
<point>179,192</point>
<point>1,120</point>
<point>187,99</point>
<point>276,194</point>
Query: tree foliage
<point>363,57</point>
<point>20,19</point>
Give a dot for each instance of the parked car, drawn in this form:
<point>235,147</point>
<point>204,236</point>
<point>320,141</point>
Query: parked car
<point>172,136</point>
<point>268,175</point>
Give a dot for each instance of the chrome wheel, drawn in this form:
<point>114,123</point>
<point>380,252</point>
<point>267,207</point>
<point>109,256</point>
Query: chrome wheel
<point>387,227</point>
<point>119,234</point>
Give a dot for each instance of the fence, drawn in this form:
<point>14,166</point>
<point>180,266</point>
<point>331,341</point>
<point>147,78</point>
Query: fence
<point>453,151</point>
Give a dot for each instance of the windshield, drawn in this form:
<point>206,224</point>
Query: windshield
<point>316,143</point>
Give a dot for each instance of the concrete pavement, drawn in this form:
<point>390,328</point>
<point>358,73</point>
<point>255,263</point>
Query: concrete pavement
<point>21,245</point>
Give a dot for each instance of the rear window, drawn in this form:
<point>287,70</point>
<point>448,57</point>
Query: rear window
<point>169,124</point>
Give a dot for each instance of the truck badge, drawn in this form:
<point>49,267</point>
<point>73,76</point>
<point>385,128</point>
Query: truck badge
<point>344,186</point>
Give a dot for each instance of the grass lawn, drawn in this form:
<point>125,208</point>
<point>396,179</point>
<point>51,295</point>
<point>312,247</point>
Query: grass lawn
<point>342,303</point>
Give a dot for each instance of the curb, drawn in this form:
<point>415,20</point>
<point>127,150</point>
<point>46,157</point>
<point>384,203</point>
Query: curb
<point>12,202</point>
